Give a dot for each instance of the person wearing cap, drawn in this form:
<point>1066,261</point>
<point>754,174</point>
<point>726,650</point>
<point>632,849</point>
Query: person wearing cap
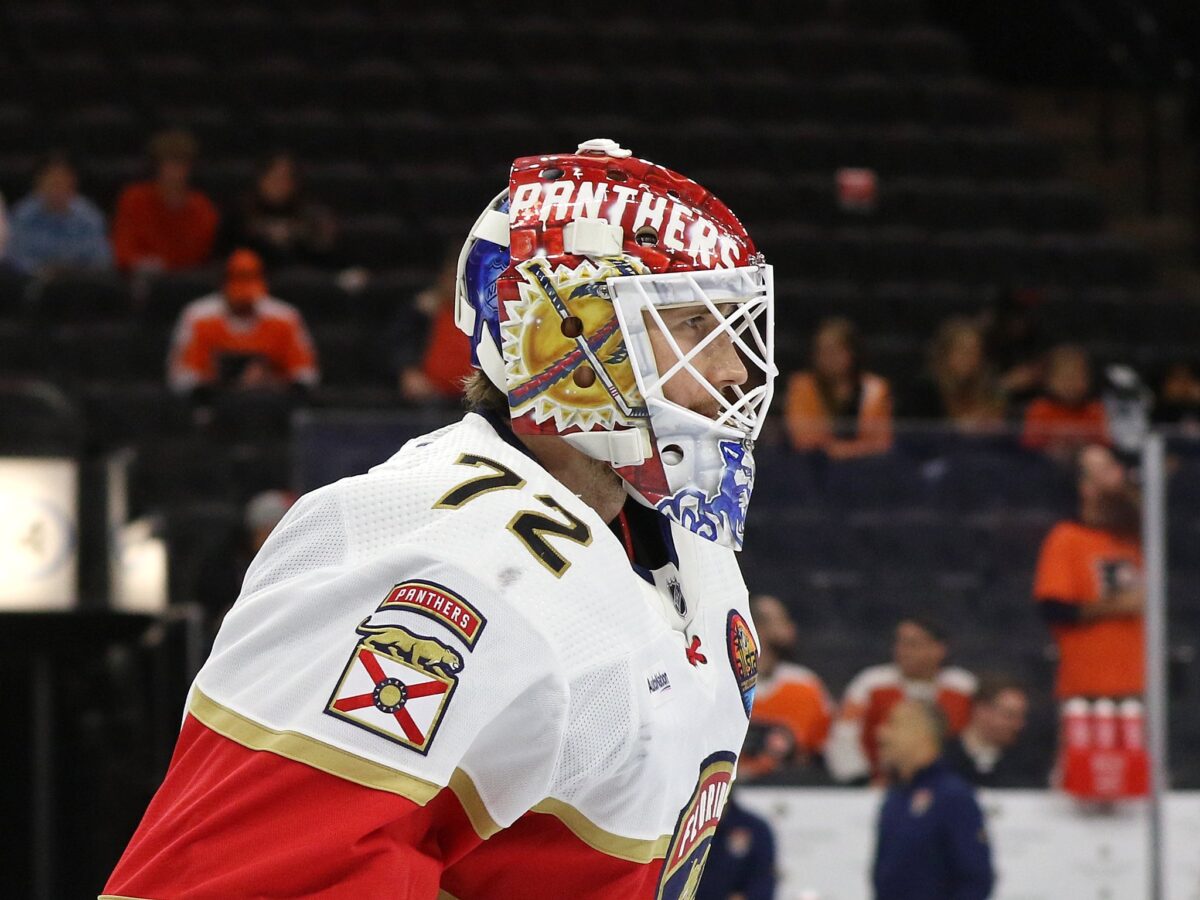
<point>241,337</point>
<point>165,223</point>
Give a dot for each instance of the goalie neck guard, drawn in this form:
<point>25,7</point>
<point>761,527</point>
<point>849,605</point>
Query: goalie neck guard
<point>560,284</point>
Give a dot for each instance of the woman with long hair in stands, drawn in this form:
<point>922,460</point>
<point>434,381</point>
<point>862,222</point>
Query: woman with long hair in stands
<point>838,407</point>
<point>960,386</point>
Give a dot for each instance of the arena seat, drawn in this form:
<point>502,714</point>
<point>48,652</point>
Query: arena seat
<point>121,414</point>
<point>80,298</point>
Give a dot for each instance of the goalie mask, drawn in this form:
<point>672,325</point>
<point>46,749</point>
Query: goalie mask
<point>569,282</point>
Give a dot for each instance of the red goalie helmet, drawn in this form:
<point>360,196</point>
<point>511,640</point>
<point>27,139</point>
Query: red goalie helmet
<point>560,283</point>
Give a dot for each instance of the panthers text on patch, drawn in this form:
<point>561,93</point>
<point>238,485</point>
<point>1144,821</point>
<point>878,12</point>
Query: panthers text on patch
<point>440,604</point>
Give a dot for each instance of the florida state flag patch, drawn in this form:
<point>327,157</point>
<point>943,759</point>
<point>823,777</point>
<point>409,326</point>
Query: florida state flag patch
<point>397,684</point>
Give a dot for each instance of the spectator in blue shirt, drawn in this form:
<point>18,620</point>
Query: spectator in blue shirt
<point>741,860</point>
<point>932,843</point>
<point>54,228</point>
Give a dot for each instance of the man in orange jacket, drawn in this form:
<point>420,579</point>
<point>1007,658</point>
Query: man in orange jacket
<point>241,336</point>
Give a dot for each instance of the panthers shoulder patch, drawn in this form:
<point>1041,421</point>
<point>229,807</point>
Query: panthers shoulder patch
<point>397,684</point>
<point>438,602</point>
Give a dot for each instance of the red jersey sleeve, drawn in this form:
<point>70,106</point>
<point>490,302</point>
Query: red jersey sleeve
<point>218,828</point>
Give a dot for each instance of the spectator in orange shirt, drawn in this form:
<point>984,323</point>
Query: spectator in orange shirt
<point>241,337</point>
<point>837,407</point>
<point>1089,585</point>
<point>165,224</point>
<point>917,672</point>
<point>1067,418</point>
<point>431,355</point>
<point>788,696</point>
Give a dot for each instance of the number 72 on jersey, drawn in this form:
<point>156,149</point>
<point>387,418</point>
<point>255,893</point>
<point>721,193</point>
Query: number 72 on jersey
<point>530,527</point>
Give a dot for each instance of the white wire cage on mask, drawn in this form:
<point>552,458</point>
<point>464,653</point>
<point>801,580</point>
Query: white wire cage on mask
<point>706,458</point>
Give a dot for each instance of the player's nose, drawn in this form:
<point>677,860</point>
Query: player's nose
<point>724,364</point>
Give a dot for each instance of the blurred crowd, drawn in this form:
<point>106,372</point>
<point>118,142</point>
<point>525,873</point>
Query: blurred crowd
<point>984,373</point>
<point>240,336</point>
<point>1089,591</point>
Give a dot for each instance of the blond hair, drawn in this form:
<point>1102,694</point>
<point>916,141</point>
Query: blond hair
<point>480,393</point>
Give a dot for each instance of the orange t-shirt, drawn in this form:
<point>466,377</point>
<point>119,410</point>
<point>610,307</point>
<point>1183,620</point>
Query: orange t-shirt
<point>810,425</point>
<point>447,355</point>
<point>1081,565</point>
<point>795,697</point>
<point>1048,423</point>
<point>145,227</point>
<point>207,331</point>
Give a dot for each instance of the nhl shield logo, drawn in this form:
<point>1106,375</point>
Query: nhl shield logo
<point>397,684</point>
<point>677,598</point>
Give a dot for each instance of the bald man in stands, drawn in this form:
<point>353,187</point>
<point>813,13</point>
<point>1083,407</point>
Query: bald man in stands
<point>932,843</point>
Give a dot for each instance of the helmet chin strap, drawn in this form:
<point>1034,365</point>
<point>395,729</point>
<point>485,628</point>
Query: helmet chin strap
<point>630,447</point>
<point>491,361</point>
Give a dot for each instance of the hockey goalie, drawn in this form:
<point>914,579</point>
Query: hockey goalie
<point>515,660</point>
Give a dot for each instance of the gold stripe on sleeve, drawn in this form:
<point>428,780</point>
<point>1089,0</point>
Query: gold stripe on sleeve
<point>310,751</point>
<point>468,796</point>
<point>343,764</point>
<point>632,849</point>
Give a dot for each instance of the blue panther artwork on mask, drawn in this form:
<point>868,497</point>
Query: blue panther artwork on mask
<point>705,515</point>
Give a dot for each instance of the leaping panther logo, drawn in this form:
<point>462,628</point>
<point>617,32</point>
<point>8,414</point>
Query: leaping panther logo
<point>400,643</point>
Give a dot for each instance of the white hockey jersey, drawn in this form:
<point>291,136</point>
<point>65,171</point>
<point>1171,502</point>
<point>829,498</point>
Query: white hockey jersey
<point>444,678</point>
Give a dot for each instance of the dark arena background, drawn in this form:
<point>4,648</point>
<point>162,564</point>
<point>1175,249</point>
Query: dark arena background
<point>983,220</point>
